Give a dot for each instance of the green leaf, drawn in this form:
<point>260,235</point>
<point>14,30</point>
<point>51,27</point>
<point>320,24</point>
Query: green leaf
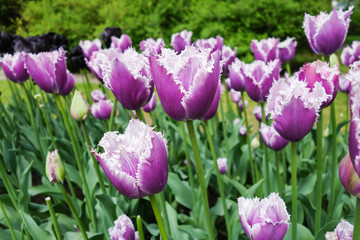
<point>35,231</point>
<point>108,205</point>
<point>302,233</point>
<point>78,236</point>
<point>329,227</point>
<point>194,232</point>
<point>250,192</point>
<point>181,190</point>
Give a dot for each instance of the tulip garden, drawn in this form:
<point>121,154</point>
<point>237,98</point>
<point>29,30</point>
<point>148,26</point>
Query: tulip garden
<point>180,142</point>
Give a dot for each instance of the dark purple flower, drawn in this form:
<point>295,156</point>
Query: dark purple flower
<point>150,106</point>
<point>236,75</point>
<point>22,45</point>
<point>76,57</point>
<point>122,43</point>
<point>108,33</point>
<point>14,67</point>
<point>326,33</point>
<point>266,50</point>
<point>320,72</point>
<point>349,55</point>
<point>264,219</point>
<point>70,83</point>
<point>259,77</point>
<point>348,177</point>
<point>123,229</point>
<point>152,46</point>
<point>186,82</point>
<point>272,138</point>
<point>6,40</point>
<point>48,70</point>
<point>127,76</point>
<point>88,47</point>
<point>286,49</point>
<point>97,95</point>
<point>136,162</point>
<point>102,109</point>
<point>180,40</point>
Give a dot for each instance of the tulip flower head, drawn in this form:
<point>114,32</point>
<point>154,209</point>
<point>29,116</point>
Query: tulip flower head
<point>122,43</point>
<point>150,106</point>
<point>235,96</point>
<point>258,114</point>
<point>181,40</point>
<point>102,109</point>
<point>108,33</point>
<point>214,105</point>
<point>123,229</point>
<point>88,47</point>
<point>127,76</point>
<point>228,84</point>
<point>259,77</point>
<point>286,49</point>
<point>222,164</point>
<point>348,177</point>
<point>70,83</point>
<point>264,219</point>
<point>152,46</point>
<point>241,106</point>
<point>136,162</point>
<point>14,67</point>
<point>228,56</point>
<point>320,72</point>
<point>272,138</point>
<point>265,49</point>
<point>48,70</point>
<point>236,75</point>
<point>344,83</point>
<point>294,106</point>
<point>97,95</point>
<point>349,55</point>
<point>94,63</point>
<point>79,109</point>
<point>186,82</point>
<point>211,43</point>
<point>55,170</point>
<point>242,130</point>
<point>343,231</point>
<point>326,33</point>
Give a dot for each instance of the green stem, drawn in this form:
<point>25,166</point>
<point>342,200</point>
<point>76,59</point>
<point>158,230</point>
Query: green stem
<point>357,220</point>
<point>140,228</point>
<point>283,156</point>
<point>78,161</point>
<point>73,211</point>
<point>7,221</point>
<point>347,117</point>
<point>9,187</point>
<point>278,173</point>
<point>140,115</point>
<point>334,160</point>
<point>164,211</point>
<point>267,163</point>
<point>188,162</point>
<point>201,177</point>
<point>253,173</point>
<point>53,217</point>
<point>158,216</point>
<point>218,176</point>
<point>86,85</point>
<point>15,95</point>
<point>288,69</point>
<point>294,191</point>
<point>32,121</point>
<point>223,122</point>
<point>111,121</point>
<point>319,164</point>
<point>95,162</point>
<point>6,113</point>
<point>229,104</point>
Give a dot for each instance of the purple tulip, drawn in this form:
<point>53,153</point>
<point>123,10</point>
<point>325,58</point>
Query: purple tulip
<point>94,64</point>
<point>320,72</point>
<point>236,75</point>
<point>54,170</point>
<point>186,83</point>
<point>258,114</point>
<point>123,229</point>
<point>127,76</point>
<point>222,164</point>
<point>242,130</point>
<point>259,77</point>
<point>235,96</point>
<point>48,70</point>
<point>349,55</point>
<point>150,106</point>
<point>102,109</point>
<point>214,105</point>
<point>343,231</point>
<point>136,162</point>
<point>152,46</point>
<point>228,57</point>
<point>122,43</point>
<point>241,106</point>
<point>88,47</point>
<point>264,219</point>
<point>236,121</point>
<point>266,50</point>
<point>70,83</point>
<point>348,177</point>
<point>344,83</point>
<point>294,107</point>
<point>286,49</point>
<point>326,33</point>
<point>180,40</point>
<point>354,130</point>
<point>228,84</point>
<point>14,67</point>
<point>97,95</point>
<point>272,138</point>
<point>211,43</point>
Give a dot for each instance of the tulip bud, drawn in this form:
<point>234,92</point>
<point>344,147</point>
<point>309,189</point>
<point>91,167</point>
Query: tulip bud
<point>243,131</point>
<point>80,109</point>
<point>255,143</point>
<point>334,60</point>
<point>55,170</point>
<point>222,164</point>
<point>343,231</point>
<point>123,229</point>
<point>348,177</point>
